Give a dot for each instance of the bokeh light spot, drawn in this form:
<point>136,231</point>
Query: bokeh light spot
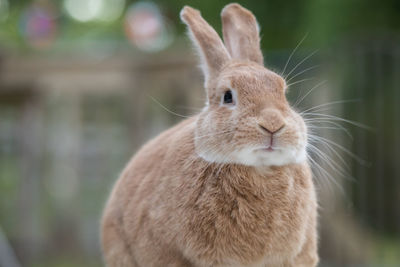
<point>83,10</point>
<point>38,25</point>
<point>146,28</point>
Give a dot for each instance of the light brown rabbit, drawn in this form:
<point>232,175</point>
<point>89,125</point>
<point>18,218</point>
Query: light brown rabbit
<point>230,186</point>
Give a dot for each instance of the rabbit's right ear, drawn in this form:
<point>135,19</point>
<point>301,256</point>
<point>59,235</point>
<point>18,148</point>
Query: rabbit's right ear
<point>241,33</point>
<point>210,46</point>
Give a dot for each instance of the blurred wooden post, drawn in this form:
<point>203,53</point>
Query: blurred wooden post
<point>28,208</point>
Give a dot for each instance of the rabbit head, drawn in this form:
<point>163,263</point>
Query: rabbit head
<point>247,118</point>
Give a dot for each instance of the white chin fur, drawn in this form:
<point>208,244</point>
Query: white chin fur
<point>271,158</point>
<point>252,157</point>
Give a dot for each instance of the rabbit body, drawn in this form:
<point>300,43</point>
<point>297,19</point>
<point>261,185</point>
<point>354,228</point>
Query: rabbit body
<point>208,214</point>
<point>228,187</point>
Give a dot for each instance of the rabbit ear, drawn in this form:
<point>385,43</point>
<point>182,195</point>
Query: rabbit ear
<point>210,46</point>
<point>241,33</point>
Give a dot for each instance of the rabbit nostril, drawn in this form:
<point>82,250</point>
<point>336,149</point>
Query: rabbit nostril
<point>271,131</point>
<point>264,129</point>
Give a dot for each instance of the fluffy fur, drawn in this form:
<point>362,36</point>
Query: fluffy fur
<point>228,187</point>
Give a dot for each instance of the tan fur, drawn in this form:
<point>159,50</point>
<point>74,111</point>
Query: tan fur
<point>174,206</point>
<point>241,33</point>
<point>210,46</point>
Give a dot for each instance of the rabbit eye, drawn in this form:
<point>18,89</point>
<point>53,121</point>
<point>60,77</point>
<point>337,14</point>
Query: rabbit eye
<point>228,98</point>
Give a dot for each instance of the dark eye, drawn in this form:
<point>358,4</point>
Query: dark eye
<point>228,98</point>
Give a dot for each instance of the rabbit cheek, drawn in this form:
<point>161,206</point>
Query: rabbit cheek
<point>213,136</point>
<point>295,141</point>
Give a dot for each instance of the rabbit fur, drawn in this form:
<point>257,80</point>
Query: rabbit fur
<point>230,186</point>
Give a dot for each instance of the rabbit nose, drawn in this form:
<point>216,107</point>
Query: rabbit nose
<point>271,122</point>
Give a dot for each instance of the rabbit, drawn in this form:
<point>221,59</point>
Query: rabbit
<point>230,186</point>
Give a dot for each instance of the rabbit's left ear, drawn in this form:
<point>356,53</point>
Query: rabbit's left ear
<point>241,33</point>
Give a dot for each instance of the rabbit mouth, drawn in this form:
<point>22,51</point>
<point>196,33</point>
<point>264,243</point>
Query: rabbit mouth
<point>268,150</point>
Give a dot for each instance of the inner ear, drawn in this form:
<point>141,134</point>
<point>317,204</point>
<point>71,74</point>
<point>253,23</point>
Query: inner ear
<point>241,33</point>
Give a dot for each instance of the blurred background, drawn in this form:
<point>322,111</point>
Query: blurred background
<point>84,83</point>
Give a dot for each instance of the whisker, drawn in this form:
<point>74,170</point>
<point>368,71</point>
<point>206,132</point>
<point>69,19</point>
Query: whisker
<point>332,150</point>
<point>166,109</point>
<point>301,72</point>
<point>328,160</point>
<point>327,174</point>
<point>331,103</point>
<point>324,121</point>
<point>316,121</point>
<point>318,175</point>
<point>331,128</point>
<point>336,118</point>
<point>300,81</point>
<point>348,152</point>
<point>309,92</point>
<point>294,51</point>
<point>301,62</point>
